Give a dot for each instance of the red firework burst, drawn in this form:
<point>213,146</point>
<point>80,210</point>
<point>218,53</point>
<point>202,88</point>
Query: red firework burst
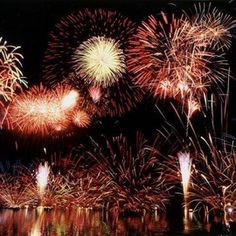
<point>167,57</point>
<point>90,45</point>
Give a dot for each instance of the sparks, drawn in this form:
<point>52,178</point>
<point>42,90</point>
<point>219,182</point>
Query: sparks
<point>185,163</point>
<point>42,177</point>
<point>11,76</point>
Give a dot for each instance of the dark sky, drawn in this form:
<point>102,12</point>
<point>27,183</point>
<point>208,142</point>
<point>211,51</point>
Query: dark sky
<point>28,23</point>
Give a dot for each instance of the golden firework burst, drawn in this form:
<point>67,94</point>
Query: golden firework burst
<point>99,61</point>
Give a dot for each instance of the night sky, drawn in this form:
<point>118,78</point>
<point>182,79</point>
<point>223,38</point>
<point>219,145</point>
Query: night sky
<point>28,23</point>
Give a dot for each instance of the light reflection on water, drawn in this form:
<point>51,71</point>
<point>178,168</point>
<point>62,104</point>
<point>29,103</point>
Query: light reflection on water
<point>80,222</point>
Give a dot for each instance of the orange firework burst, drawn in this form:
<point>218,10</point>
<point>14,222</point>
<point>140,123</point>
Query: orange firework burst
<point>42,111</point>
<point>91,45</point>
<point>212,27</point>
<point>165,59</point>
<point>81,119</point>
<point>11,77</point>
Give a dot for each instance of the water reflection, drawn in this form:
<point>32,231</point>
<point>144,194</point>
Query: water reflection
<point>86,222</point>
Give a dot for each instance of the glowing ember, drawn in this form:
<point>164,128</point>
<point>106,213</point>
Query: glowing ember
<point>168,57</point>
<point>87,49</point>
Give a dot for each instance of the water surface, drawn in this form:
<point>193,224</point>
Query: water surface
<point>86,222</point>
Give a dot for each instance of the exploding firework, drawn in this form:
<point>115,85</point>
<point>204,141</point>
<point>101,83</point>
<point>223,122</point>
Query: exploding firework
<point>93,41</point>
<point>99,61</point>
<point>212,27</point>
<point>185,163</point>
<point>42,178</point>
<point>213,179</point>
<point>16,183</point>
<point>91,45</point>
<point>11,77</point>
<point>81,119</point>
<point>58,192</point>
<point>164,58</point>
<point>135,174</point>
<point>92,189</point>
<point>41,111</point>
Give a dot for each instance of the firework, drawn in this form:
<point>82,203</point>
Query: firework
<point>58,192</point>
<point>15,191</point>
<point>164,59</point>
<point>41,111</point>
<point>185,163</point>
<point>87,48</point>
<point>99,61</point>
<point>16,183</point>
<point>92,189</point>
<point>135,174</point>
<point>213,179</point>
<point>11,77</point>
<point>81,119</point>
<point>212,27</point>
<point>42,177</point>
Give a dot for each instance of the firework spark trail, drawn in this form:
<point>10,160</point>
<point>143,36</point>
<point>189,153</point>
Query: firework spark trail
<point>15,186</point>
<point>42,178</point>
<point>212,27</point>
<point>185,163</point>
<point>135,172</point>
<point>11,77</point>
<point>214,178</point>
<point>88,48</point>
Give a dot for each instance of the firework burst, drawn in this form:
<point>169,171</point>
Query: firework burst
<point>11,77</point>
<point>81,119</point>
<point>42,177</point>
<point>99,61</point>
<point>213,179</point>
<point>164,58</point>
<point>87,48</point>
<point>41,111</point>
<point>15,187</point>
<point>135,174</point>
